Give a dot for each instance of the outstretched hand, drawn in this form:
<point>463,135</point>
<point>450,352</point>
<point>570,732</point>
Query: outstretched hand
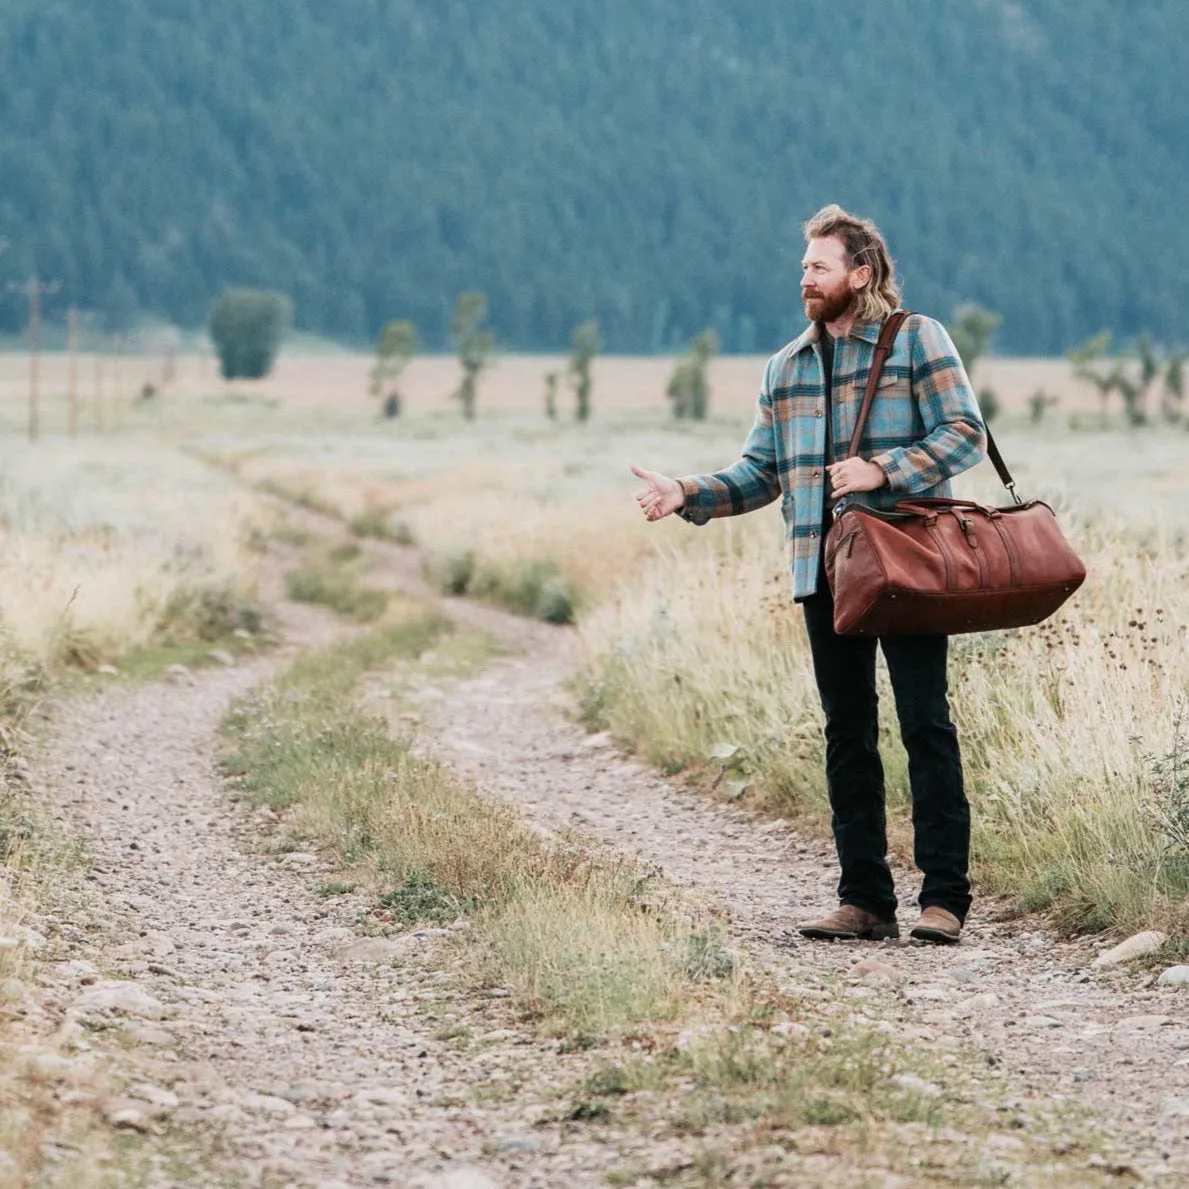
<point>662,495</point>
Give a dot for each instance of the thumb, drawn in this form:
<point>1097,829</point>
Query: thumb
<point>641,473</point>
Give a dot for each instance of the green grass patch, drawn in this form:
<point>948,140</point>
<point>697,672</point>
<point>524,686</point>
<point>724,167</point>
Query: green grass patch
<point>331,579</point>
<point>380,524</point>
<point>528,586</point>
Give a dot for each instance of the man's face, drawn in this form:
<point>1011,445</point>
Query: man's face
<point>827,285</point>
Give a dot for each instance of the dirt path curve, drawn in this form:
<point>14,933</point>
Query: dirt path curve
<point>1026,1000</point>
<point>302,1047</point>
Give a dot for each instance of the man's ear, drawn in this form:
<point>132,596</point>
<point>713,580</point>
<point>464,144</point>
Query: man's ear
<point>860,277</point>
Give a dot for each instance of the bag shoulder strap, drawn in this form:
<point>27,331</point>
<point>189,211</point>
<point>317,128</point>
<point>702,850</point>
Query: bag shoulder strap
<point>883,348</point>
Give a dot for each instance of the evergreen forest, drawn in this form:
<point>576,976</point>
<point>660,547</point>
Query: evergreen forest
<point>643,163</point>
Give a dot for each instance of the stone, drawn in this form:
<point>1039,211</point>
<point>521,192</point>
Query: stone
<point>1039,1021</point>
<point>12,990</point>
<point>220,656</point>
<point>875,970</point>
<point>1144,1023</point>
<point>520,1143</point>
<point>372,949</point>
<point>126,1116</point>
<point>454,1178</point>
<point>145,1035</point>
<point>908,1081</point>
<point>267,1104</point>
<point>108,670</point>
<point>1174,976</point>
<point>156,1096</point>
<point>299,858</point>
<point>179,675</point>
<point>123,998</point>
<point>1134,947</point>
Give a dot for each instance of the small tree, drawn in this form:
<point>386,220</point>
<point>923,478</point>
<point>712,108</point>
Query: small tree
<point>586,344</point>
<point>689,388</point>
<point>1174,388</point>
<point>551,396</point>
<point>473,343</point>
<point>397,344</point>
<point>246,327</point>
<point>1091,363</point>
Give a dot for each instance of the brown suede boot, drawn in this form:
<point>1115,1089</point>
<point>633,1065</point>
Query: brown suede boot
<point>937,925</point>
<point>850,923</point>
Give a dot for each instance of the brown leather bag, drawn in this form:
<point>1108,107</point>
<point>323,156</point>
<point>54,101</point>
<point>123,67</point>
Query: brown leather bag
<point>940,566</point>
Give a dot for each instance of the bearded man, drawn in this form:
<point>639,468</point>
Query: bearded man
<point>924,427</point>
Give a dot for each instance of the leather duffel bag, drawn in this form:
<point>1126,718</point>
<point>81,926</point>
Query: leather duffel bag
<point>944,566</point>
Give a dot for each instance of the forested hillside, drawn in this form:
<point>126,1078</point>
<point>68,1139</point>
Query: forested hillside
<point>643,162</point>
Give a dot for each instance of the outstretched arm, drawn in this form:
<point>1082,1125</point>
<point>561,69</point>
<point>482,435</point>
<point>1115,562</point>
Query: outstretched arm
<point>745,485</point>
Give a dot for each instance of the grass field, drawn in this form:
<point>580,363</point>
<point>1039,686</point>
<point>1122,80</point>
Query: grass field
<point>139,542</point>
<point>1072,720</point>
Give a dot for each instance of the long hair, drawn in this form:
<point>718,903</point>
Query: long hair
<point>864,245</point>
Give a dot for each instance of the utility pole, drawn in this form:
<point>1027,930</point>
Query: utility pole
<point>72,379</point>
<point>34,290</point>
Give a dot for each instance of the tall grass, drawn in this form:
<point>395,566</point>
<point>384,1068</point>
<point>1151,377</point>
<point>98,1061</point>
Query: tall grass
<point>108,547</point>
<point>1061,726</point>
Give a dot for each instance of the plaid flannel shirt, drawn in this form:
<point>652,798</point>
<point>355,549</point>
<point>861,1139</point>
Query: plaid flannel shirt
<point>924,427</point>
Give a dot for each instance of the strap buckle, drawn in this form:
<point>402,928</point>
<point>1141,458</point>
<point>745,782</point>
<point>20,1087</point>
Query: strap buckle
<point>1014,494</point>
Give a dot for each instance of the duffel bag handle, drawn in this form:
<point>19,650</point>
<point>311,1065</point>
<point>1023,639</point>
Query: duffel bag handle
<point>883,348</point>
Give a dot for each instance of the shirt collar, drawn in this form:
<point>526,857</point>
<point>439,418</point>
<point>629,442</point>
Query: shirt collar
<point>867,331</point>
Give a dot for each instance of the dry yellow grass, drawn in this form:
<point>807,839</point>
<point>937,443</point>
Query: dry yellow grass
<point>98,537</point>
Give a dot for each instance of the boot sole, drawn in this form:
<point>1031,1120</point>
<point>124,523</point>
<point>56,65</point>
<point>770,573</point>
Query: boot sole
<point>937,936</point>
<point>878,933</point>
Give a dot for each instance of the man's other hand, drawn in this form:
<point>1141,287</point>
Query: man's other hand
<point>853,474</point>
<point>660,497</point>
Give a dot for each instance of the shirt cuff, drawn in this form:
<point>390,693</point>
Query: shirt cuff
<point>889,463</point>
<point>692,510</point>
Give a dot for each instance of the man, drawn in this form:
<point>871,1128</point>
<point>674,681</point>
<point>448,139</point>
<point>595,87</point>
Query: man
<point>924,427</point>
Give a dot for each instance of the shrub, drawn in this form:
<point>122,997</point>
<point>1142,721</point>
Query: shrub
<point>246,326</point>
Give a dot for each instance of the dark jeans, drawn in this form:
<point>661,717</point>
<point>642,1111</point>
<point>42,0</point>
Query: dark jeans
<point>845,670</point>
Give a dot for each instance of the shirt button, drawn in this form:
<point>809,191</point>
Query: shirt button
<point>814,474</point>
<point>813,533</point>
<point>817,412</point>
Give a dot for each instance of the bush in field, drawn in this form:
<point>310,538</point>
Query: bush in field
<point>398,343</point>
<point>528,586</point>
<point>551,396</point>
<point>473,343</point>
<point>205,614</point>
<point>586,344</point>
<point>246,326</point>
<point>1174,388</point>
<point>689,389</point>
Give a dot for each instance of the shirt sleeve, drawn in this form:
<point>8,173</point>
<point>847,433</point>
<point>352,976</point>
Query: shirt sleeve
<point>747,484</point>
<point>955,436</point>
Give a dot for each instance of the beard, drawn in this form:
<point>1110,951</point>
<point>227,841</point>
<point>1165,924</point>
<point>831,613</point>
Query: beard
<point>827,307</point>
